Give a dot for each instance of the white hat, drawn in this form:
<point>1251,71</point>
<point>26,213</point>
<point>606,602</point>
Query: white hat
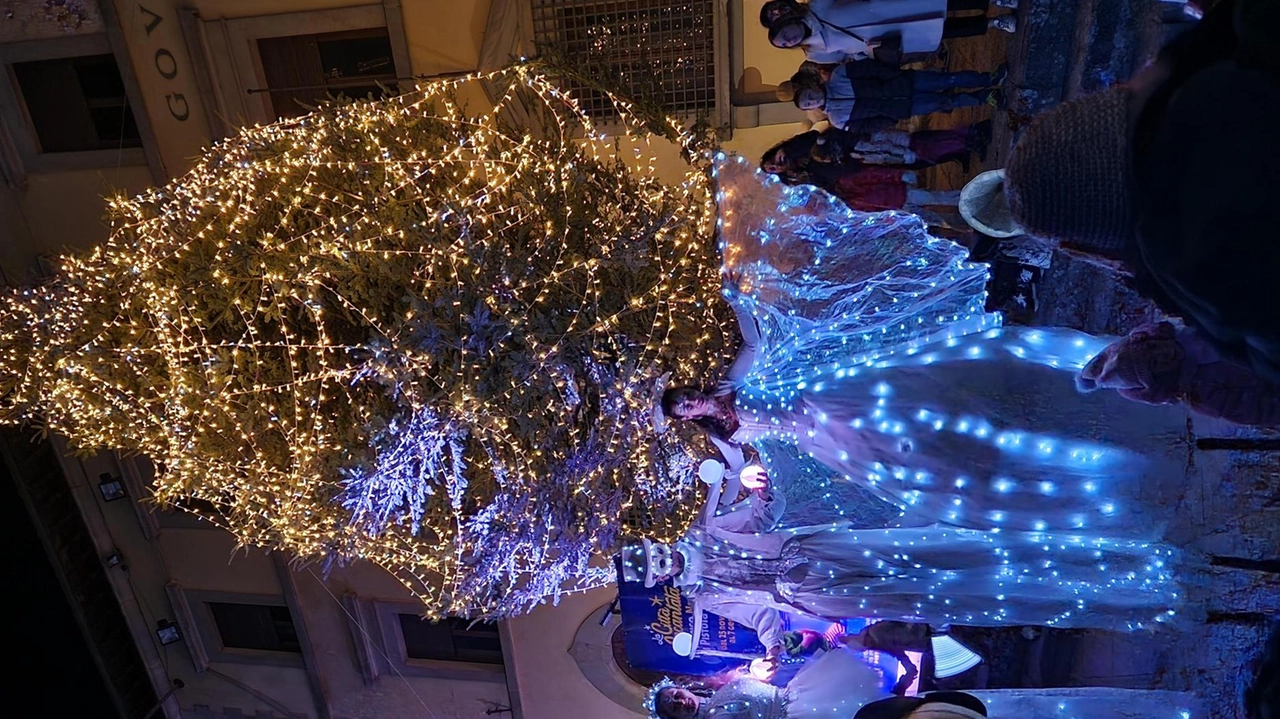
<point>985,207</point>
<point>633,562</point>
<point>652,562</point>
<point>659,562</point>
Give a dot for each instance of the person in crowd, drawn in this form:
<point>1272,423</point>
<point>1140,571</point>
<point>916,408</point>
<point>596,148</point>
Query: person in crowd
<point>1121,178</point>
<point>834,684</point>
<point>877,188</point>
<point>912,150</point>
<point>863,186</point>
<point>863,97</point>
<point>1163,364</point>
<point>866,349</point>
<point>1092,702</point>
<point>872,173</point>
<point>737,564</point>
<point>896,639</point>
<point>840,30</point>
<point>776,10</point>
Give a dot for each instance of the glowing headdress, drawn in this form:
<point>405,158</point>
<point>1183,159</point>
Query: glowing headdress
<point>651,699</point>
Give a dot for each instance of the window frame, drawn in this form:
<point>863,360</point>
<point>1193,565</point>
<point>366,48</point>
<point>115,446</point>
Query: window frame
<point>455,627</point>
<point>139,475</point>
<point>228,64</point>
<point>271,617</point>
<point>19,143</point>
<point>345,84</point>
<point>394,655</point>
<point>178,518</point>
<point>204,640</point>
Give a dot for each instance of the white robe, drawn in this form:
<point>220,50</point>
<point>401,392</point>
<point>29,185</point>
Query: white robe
<point>745,523</point>
<point>842,28</point>
<point>821,292</point>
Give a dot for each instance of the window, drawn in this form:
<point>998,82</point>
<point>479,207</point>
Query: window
<point>664,49</point>
<point>259,627</point>
<point>236,628</point>
<point>303,70</point>
<point>246,65</point>
<point>66,105</point>
<point>638,518</point>
<point>77,104</point>
<point>396,639</point>
<point>451,640</point>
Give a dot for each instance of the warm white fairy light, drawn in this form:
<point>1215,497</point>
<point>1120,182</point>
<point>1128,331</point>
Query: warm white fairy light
<point>395,331</point>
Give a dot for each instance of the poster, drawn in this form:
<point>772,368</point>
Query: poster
<point>653,617</point>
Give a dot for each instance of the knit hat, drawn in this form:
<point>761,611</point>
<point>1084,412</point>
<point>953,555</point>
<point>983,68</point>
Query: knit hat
<point>1070,175</point>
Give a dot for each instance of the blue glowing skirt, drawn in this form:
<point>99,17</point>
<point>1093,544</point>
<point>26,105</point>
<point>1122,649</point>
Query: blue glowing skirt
<point>988,431</point>
<point>942,575</point>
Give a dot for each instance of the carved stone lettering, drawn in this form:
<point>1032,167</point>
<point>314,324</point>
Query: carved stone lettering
<point>178,106</point>
<point>153,22</point>
<point>166,65</point>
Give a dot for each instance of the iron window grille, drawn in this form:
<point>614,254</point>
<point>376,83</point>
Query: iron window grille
<point>660,49</point>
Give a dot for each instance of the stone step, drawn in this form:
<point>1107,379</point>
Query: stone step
<point>1112,32</point>
<point>1045,42</point>
<point>1075,47</point>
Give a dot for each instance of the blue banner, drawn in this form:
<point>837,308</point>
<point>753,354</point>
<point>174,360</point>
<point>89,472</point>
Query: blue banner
<point>653,617</point>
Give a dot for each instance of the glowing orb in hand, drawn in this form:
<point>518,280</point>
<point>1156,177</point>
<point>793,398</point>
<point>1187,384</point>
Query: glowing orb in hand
<point>711,472</point>
<point>762,669</point>
<point>754,477</point>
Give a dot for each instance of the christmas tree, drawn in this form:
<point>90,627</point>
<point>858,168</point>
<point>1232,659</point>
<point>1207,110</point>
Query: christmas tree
<point>399,331</point>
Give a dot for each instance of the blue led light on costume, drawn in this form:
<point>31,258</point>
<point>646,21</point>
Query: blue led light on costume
<point>818,329</point>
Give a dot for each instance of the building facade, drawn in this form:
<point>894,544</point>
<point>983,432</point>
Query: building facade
<point>111,96</point>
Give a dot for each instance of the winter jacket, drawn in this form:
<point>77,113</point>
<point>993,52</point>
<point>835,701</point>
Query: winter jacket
<point>1206,174</point>
<point>863,97</point>
<point>841,29</point>
<point>870,188</point>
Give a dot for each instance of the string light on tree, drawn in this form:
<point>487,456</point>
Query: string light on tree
<point>397,331</point>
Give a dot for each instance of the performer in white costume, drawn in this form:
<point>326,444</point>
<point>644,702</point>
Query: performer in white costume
<point>867,348</point>
<point>735,563</point>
